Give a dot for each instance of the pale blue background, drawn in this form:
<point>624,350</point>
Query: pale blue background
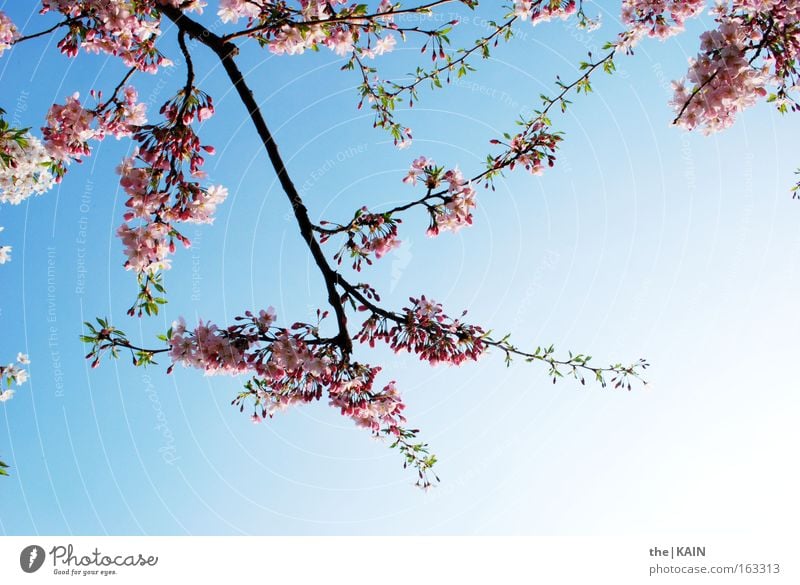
<point>642,241</point>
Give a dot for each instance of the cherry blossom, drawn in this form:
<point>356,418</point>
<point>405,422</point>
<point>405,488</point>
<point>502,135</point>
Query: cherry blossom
<point>70,126</point>
<point>69,129</point>
<point>752,55</point>
<point>368,234</point>
<point>417,169</point>
<point>146,246</point>
<point>456,212</point>
<point>457,200</point>
<point>8,32</point>
<point>656,18</point>
<point>121,117</point>
<point>13,374</point>
<point>233,10</point>
<point>383,45</point>
<point>162,192</point>
<point>288,30</point>
<point>425,330</point>
<point>123,28</point>
<point>288,367</point>
<point>29,171</point>
<point>539,11</point>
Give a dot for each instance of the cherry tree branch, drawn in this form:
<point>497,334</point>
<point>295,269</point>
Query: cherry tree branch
<point>226,53</point>
<point>422,9</point>
<point>577,365</point>
<point>606,62</point>
<point>122,82</point>
<point>187,56</point>
<point>481,44</point>
<point>53,28</point>
<point>765,40</point>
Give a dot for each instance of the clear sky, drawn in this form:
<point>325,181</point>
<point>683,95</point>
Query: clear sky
<point>643,241</point>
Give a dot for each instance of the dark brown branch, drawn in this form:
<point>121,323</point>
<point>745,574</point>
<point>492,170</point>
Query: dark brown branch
<point>53,28</point>
<point>226,52</point>
<point>187,56</point>
<point>124,80</point>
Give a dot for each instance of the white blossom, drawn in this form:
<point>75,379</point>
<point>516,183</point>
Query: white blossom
<point>28,175</point>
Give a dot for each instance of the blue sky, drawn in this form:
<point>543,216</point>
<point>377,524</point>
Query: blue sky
<point>643,241</point>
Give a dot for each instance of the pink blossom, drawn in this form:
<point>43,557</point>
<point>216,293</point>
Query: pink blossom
<point>755,46</point>
<point>146,247</point>
<point>370,233</point>
<point>656,18</point>
<point>201,209</point>
<point>289,41</point>
<point>427,331</point>
<point>417,169</point>
<point>340,41</point>
<point>117,27</point>
<point>8,32</point>
<point>122,117</point>
<point>209,348</point>
<point>381,246</point>
<point>543,10</point>
<point>68,130</point>
<point>383,45</point>
<point>233,10</point>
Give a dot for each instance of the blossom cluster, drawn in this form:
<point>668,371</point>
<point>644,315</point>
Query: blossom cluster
<point>8,32</point>
<point>309,10</point>
<point>252,345</point>
<point>288,366</point>
<point>26,169</point>
<point>367,234</point>
<point>656,18</point>
<point>13,374</point>
<point>233,10</point>
<point>533,148</point>
<point>69,129</point>
<point>456,211</point>
<point>70,126</point>
<point>288,31</point>
<point>352,393</point>
<point>425,330</point>
<point>209,348</point>
<point>539,11</point>
<point>127,29</point>
<point>450,208</point>
<point>755,46</point>
<point>457,200</point>
<point>121,117</point>
<point>161,193</point>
